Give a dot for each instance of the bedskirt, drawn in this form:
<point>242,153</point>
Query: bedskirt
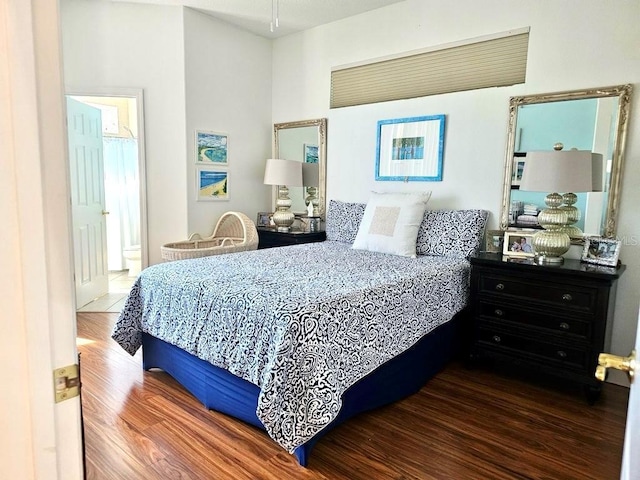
<point>222,391</point>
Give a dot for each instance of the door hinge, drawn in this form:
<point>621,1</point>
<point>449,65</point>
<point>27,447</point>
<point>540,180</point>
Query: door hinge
<point>66,382</point>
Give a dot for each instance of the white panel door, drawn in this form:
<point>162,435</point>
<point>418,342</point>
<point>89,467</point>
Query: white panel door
<point>86,165</point>
<point>631,455</point>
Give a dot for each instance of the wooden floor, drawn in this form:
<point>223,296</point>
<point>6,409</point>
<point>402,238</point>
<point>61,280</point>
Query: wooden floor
<point>464,424</point>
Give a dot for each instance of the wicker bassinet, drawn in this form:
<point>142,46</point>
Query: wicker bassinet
<point>234,232</point>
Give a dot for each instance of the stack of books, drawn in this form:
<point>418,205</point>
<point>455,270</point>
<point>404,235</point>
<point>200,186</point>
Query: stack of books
<point>529,215</point>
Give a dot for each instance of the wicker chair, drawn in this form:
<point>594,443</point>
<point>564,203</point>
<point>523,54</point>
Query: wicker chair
<point>234,232</point>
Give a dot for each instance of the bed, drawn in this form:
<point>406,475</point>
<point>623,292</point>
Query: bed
<point>297,339</point>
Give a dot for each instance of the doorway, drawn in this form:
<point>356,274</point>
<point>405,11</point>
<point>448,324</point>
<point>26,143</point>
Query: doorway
<point>123,191</point>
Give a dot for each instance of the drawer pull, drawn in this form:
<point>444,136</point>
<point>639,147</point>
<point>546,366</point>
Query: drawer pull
<point>564,326</point>
<point>567,297</point>
<point>497,339</point>
<point>498,312</point>
<point>500,286</point>
<point>562,354</point>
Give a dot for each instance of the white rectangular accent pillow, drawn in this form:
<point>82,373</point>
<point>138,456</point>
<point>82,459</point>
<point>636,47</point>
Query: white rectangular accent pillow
<point>390,223</point>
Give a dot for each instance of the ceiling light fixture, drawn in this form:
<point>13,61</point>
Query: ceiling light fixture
<point>275,6</point>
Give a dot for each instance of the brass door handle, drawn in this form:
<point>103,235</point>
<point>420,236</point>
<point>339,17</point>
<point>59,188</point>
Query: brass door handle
<point>104,212</point>
<point>626,364</point>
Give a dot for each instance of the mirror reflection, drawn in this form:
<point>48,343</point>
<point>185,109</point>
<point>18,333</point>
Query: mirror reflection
<point>588,120</point>
<point>305,141</point>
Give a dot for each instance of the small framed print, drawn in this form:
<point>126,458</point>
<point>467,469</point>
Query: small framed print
<point>264,219</point>
<point>212,148</point>
<point>211,184</point>
<point>518,170</point>
<point>494,240</point>
<point>518,244</point>
<point>310,153</point>
<point>601,251</point>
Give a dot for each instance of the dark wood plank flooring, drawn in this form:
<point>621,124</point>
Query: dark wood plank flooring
<point>464,424</point>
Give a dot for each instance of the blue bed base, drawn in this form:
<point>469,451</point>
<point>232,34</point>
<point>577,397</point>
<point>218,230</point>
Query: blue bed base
<point>224,392</point>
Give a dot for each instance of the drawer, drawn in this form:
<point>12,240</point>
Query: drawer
<point>526,318</point>
<point>570,297</point>
<point>533,350</point>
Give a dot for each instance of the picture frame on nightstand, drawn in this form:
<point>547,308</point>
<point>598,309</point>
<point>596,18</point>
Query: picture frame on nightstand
<point>494,241</point>
<point>601,251</point>
<point>518,243</point>
<point>263,220</point>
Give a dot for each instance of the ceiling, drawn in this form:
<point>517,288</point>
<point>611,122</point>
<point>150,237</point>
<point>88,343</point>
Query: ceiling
<point>293,15</point>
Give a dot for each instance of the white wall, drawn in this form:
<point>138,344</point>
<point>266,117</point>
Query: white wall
<point>197,73</point>
<point>573,44</point>
<point>121,45</point>
<point>228,90</point>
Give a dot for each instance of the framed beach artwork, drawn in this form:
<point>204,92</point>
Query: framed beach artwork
<point>410,149</point>
<point>212,148</point>
<point>212,185</point>
<point>310,153</point>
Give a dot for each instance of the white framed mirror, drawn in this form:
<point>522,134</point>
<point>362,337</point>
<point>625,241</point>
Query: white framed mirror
<point>594,120</point>
<point>304,141</point>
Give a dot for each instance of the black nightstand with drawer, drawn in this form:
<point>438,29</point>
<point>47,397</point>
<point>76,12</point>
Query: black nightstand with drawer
<point>548,320</point>
<point>268,238</point>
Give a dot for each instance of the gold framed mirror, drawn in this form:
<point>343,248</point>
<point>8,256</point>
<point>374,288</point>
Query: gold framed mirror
<point>304,141</point>
<point>595,120</point>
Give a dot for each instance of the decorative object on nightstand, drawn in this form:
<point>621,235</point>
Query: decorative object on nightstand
<point>283,174</point>
<point>311,180</point>
<point>560,171</point>
<point>549,320</point>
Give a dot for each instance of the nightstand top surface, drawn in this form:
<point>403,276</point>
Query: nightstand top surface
<point>569,267</point>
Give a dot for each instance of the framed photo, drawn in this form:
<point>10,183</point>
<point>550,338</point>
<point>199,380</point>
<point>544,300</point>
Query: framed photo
<point>601,251</point>
<point>264,220</point>
<point>211,184</point>
<point>518,244</point>
<point>212,148</point>
<point>410,149</point>
<point>310,153</point>
<point>493,240</point>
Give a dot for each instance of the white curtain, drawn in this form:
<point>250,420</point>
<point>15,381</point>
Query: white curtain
<point>122,193</point>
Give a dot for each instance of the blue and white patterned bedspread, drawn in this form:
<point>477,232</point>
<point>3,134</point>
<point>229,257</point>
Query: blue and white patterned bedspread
<point>303,323</point>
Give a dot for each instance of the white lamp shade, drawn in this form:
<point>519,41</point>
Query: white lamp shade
<point>310,174</point>
<point>562,171</point>
<point>283,172</point>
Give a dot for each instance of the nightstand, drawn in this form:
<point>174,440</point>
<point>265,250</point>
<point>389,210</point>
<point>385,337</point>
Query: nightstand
<point>551,321</point>
<point>268,238</point>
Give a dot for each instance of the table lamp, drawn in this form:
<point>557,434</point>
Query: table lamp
<point>283,174</point>
<point>311,180</point>
<point>559,171</point>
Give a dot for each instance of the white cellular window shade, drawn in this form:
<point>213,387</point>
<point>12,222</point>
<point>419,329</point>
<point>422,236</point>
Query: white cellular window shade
<point>480,63</point>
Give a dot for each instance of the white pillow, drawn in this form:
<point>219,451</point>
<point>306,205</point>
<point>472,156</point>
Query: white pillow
<point>390,223</point>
